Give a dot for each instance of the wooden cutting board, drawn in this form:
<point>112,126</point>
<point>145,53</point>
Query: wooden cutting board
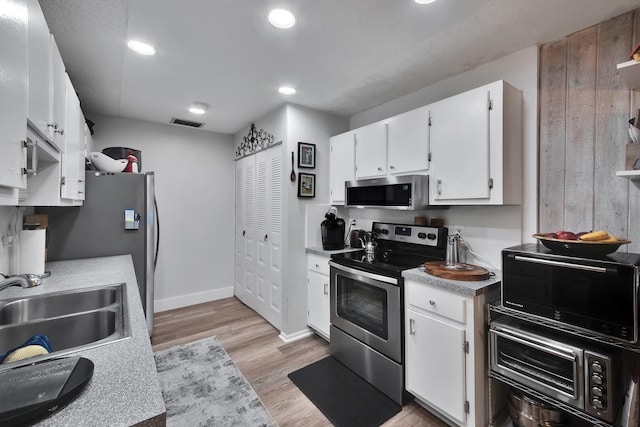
<point>468,273</point>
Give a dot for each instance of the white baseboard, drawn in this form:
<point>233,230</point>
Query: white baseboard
<point>287,338</point>
<point>191,299</point>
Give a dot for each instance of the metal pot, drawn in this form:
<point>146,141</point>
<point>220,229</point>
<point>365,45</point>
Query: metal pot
<point>527,412</point>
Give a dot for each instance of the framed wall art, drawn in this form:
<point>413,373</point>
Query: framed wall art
<point>306,155</point>
<point>306,185</point>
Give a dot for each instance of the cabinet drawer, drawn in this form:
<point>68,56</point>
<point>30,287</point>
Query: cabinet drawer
<point>318,263</point>
<point>443,303</point>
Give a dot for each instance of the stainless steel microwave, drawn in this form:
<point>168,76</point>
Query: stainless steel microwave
<point>410,192</point>
<point>595,294</point>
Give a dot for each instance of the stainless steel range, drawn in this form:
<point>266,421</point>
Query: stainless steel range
<point>367,299</point>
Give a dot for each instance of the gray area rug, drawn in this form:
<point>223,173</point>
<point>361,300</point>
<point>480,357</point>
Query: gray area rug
<point>202,386</point>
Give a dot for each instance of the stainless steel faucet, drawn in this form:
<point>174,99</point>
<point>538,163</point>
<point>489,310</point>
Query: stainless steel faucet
<point>23,280</point>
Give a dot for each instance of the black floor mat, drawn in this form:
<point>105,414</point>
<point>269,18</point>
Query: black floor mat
<point>342,396</point>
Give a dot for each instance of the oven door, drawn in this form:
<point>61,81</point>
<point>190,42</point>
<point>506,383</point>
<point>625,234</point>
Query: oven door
<point>540,362</point>
<point>367,306</point>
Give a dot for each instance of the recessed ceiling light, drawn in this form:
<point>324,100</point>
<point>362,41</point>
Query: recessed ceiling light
<point>424,1</point>
<point>141,47</point>
<point>282,18</point>
<point>198,108</point>
<point>286,90</point>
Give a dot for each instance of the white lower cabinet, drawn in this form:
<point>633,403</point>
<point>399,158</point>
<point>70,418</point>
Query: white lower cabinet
<point>445,348</point>
<point>318,302</point>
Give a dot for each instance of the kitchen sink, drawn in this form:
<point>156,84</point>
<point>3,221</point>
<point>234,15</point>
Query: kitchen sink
<point>72,320</point>
<point>52,305</point>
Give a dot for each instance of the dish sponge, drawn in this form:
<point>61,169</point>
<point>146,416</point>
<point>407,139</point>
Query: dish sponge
<point>25,353</point>
<point>33,347</point>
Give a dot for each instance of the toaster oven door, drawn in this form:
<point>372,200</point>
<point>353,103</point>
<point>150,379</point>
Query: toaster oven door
<point>539,362</point>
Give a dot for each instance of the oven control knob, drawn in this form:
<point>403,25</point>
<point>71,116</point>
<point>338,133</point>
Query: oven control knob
<point>597,379</point>
<point>431,236</point>
<point>597,391</point>
<point>422,235</point>
<point>596,367</point>
<point>597,403</point>
<point>384,231</point>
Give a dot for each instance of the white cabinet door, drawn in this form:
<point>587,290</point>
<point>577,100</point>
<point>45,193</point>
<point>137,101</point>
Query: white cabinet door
<point>269,169</point>
<point>318,302</point>
<point>460,147</point>
<point>342,165</point>
<point>371,151</point>
<point>40,78</point>
<point>70,167</point>
<point>13,94</point>
<point>58,95</point>
<point>245,230</point>
<point>476,147</point>
<point>409,142</point>
<point>436,363</point>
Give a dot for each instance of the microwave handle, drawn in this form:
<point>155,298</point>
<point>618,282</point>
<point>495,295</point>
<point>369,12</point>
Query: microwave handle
<point>561,264</point>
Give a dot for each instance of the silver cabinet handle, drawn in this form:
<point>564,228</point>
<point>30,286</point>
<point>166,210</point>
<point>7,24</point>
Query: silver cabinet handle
<point>244,232</point>
<point>432,302</point>
<point>391,167</point>
<point>326,289</point>
<point>439,187</point>
<point>34,156</point>
<point>412,326</point>
<point>379,169</point>
<point>53,125</point>
<point>317,265</point>
<point>266,236</point>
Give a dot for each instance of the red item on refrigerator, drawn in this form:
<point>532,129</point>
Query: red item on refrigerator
<point>132,166</point>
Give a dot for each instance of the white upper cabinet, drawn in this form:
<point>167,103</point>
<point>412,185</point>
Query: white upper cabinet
<point>476,145</point>
<point>58,91</point>
<point>342,160</point>
<point>72,168</point>
<point>40,77</point>
<point>409,142</point>
<point>13,97</point>
<point>371,150</point>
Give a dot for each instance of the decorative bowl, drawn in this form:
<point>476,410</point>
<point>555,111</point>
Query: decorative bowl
<point>580,247</point>
<point>104,163</point>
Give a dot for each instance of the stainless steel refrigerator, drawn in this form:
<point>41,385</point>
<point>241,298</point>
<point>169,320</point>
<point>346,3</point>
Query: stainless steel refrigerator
<point>118,217</point>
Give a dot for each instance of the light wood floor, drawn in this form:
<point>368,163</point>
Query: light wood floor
<point>263,358</point>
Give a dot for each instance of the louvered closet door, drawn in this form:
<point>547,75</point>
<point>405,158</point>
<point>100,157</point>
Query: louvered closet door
<point>269,234</point>
<point>245,247</point>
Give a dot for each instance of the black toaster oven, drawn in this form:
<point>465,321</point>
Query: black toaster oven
<point>595,294</point>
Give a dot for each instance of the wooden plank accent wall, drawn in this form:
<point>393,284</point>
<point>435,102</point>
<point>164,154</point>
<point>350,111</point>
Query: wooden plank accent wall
<point>584,110</point>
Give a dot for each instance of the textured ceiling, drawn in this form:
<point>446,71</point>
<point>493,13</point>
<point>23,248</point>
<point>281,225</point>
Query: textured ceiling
<point>343,56</point>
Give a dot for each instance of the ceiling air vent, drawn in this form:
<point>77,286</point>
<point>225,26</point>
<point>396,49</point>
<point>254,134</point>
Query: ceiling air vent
<point>187,123</point>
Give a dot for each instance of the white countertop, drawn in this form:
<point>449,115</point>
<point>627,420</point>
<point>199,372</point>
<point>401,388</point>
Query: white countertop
<point>125,389</point>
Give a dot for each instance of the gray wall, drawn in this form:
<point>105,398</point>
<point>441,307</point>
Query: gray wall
<point>194,187</point>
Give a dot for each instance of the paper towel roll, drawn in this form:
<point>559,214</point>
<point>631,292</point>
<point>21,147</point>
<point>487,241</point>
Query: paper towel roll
<point>32,246</point>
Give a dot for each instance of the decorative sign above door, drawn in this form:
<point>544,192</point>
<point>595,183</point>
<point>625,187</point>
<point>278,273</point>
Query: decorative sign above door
<point>256,140</point>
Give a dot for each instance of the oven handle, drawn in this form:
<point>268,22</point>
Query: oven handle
<point>550,348</point>
<point>561,264</point>
<point>368,275</point>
